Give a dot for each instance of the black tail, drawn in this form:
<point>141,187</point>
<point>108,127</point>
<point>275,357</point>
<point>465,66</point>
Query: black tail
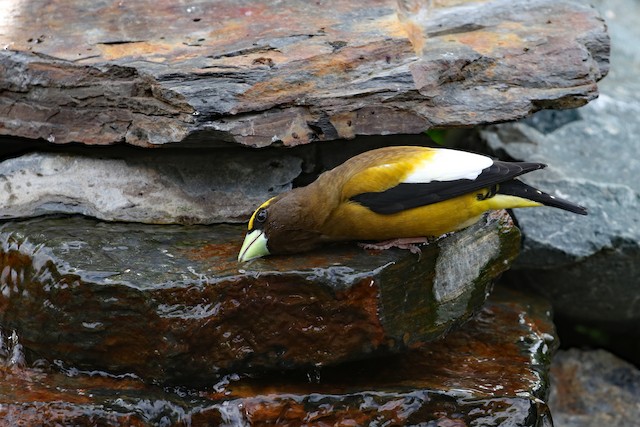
<point>518,188</point>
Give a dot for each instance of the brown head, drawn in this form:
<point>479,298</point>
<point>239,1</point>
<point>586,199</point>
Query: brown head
<point>282,225</point>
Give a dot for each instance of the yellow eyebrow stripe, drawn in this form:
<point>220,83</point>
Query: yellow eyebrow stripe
<point>264,205</point>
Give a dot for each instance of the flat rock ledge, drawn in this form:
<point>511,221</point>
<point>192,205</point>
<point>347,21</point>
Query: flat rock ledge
<point>490,372</point>
<point>257,75</point>
<point>171,304</point>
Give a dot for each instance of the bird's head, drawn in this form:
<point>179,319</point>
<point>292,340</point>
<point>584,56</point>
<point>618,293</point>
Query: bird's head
<point>281,225</point>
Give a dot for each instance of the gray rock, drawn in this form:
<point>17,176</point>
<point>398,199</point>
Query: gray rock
<point>622,19</point>
<point>588,266</point>
<point>160,187</point>
<point>593,389</point>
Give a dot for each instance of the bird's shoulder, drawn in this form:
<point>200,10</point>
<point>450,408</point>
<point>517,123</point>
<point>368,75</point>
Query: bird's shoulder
<point>382,169</point>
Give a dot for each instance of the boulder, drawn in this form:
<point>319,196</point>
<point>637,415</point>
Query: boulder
<point>258,74</point>
<point>171,304</point>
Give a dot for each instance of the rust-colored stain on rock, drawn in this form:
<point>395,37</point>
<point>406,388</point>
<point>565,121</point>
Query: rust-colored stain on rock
<point>150,51</point>
<point>278,322</point>
<point>217,252</point>
<point>486,42</point>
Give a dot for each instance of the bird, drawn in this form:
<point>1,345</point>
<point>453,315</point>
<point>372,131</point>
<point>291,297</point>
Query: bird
<point>392,193</point>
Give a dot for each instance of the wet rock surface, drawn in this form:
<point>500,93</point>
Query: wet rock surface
<point>593,155</point>
<point>171,303</point>
<point>256,75</point>
<point>593,388</point>
<point>490,372</point>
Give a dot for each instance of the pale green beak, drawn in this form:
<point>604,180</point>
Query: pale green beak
<point>254,246</point>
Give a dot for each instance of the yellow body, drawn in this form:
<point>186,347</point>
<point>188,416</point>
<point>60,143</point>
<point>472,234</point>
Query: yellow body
<point>351,221</point>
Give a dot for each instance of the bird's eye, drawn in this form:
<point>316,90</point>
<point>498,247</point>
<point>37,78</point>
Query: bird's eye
<point>261,216</point>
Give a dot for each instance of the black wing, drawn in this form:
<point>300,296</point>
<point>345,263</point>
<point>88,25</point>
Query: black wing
<point>409,195</point>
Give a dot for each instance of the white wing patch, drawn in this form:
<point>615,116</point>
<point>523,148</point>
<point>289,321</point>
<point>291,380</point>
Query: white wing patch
<point>449,165</point>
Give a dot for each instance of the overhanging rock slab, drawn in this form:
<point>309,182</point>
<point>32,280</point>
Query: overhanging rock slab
<point>257,74</point>
<point>171,303</point>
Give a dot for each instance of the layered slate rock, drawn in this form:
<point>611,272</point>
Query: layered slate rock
<point>171,303</point>
<point>257,74</point>
<point>588,266</point>
<point>158,187</point>
<point>490,372</point>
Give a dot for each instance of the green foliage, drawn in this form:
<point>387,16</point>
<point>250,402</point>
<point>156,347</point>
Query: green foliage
<point>437,135</point>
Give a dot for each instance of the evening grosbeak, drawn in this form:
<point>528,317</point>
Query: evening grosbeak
<point>392,193</point>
